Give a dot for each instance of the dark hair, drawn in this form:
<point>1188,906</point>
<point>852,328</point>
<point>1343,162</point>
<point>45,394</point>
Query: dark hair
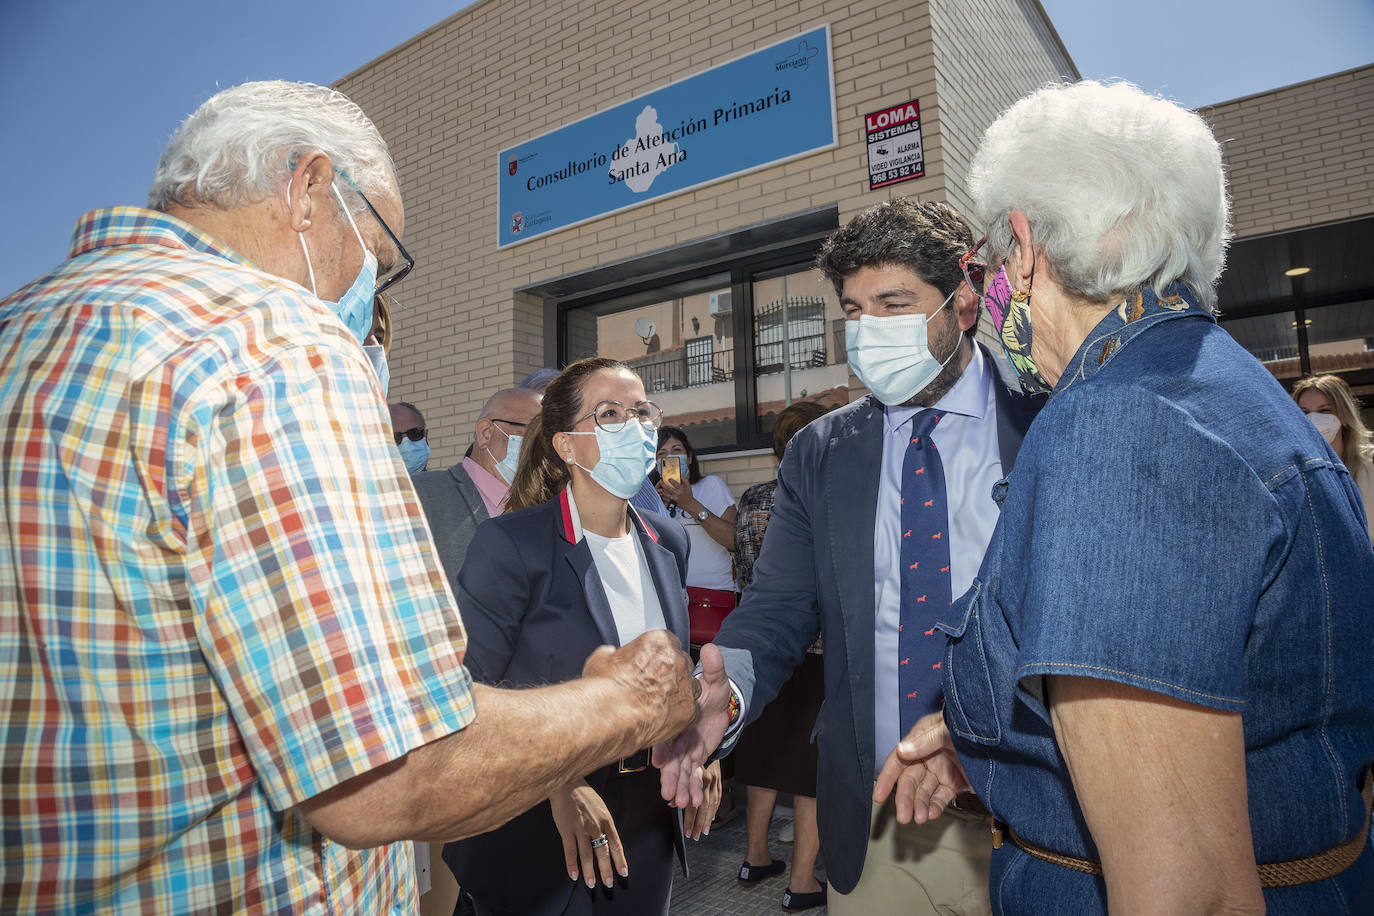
<point>791,421</point>
<point>675,432</point>
<point>541,473</point>
<point>925,238</point>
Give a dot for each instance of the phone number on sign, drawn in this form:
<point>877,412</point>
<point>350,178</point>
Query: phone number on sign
<point>906,171</point>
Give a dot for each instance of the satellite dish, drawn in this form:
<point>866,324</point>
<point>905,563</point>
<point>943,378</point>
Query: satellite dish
<point>645,329</point>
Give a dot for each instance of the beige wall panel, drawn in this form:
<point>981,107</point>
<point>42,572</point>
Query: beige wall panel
<point>1300,155</point>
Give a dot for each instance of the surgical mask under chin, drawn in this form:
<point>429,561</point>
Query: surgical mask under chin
<point>1328,424</point>
<point>626,458</point>
<point>414,454</point>
<point>505,468</point>
<point>376,354</point>
<point>891,354</point>
<point>354,307</point>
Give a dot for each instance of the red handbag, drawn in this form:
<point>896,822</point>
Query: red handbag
<point>706,611</point>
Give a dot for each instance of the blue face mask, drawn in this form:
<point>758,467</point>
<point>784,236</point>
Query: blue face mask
<point>354,307</point>
<point>377,356</point>
<point>626,458</point>
<point>505,468</point>
<point>891,354</point>
<point>414,454</point>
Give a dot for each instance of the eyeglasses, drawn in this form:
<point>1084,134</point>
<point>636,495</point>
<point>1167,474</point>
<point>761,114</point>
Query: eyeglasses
<point>397,271</point>
<point>613,415</point>
<point>507,422</point>
<point>414,434</point>
<point>975,272</point>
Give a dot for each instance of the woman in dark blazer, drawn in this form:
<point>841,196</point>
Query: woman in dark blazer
<point>569,567</point>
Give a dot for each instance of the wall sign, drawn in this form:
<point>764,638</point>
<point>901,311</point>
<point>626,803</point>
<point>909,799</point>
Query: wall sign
<point>894,144</point>
<point>770,106</point>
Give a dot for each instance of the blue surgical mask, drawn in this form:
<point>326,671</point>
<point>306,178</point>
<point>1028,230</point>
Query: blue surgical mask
<point>626,458</point>
<point>891,354</point>
<point>414,454</point>
<point>354,307</point>
<point>505,468</point>
<point>377,356</point>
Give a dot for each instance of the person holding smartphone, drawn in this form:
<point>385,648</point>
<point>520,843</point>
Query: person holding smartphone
<point>706,510</point>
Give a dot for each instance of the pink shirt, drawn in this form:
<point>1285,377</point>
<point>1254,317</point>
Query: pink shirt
<point>492,488</point>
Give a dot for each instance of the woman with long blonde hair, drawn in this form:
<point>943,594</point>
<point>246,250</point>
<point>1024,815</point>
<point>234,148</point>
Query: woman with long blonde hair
<point>1331,406</point>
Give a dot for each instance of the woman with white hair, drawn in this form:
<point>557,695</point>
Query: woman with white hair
<point>1159,683</point>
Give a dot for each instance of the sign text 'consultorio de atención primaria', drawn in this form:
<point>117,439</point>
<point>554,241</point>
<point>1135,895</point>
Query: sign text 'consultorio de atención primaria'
<point>769,106</point>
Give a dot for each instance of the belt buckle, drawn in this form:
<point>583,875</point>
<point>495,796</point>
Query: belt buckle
<point>637,762</point>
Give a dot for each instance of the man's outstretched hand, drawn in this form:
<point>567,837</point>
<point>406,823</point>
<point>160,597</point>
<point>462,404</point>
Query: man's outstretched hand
<point>680,760</point>
<point>925,771</point>
<point>655,677</point>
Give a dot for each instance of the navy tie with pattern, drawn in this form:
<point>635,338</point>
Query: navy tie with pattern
<point>925,573</point>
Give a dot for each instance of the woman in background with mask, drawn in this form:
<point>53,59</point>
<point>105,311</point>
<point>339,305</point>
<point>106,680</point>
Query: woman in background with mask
<point>1330,405</point>
<point>570,566</point>
<point>706,509</point>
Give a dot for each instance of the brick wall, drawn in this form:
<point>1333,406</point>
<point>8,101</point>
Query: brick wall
<point>987,54</point>
<point>503,71</point>
<point>1300,155</point>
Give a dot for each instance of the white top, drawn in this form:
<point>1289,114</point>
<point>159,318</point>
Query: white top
<point>709,564</point>
<point>967,440</point>
<point>1363,472</point>
<point>624,574</point>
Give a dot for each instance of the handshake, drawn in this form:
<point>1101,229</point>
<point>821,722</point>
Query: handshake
<point>684,717</point>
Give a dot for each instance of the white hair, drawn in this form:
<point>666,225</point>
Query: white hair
<point>241,144</point>
<point>1123,190</point>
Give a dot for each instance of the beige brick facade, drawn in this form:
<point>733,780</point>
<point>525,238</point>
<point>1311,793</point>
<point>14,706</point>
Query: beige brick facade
<point>503,71</point>
<point>1300,155</point>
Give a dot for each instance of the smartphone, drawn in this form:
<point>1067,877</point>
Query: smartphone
<point>673,468</point>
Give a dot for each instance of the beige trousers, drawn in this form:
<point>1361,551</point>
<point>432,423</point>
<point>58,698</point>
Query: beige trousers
<point>938,868</point>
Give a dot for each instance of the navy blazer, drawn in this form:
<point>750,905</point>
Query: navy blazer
<point>534,608</point>
<point>814,575</point>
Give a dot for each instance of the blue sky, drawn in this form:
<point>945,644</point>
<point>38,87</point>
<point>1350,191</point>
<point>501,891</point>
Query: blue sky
<point>91,89</point>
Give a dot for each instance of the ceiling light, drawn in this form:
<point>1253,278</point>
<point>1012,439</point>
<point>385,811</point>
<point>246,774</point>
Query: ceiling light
<point>1297,271</point>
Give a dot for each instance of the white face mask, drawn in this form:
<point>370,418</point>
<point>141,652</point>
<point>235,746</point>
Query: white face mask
<point>377,356</point>
<point>1328,424</point>
<point>507,466</point>
<point>891,354</point>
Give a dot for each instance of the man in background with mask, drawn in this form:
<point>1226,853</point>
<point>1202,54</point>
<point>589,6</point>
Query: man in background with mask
<point>461,497</point>
<point>234,670</point>
<point>882,514</point>
<point>410,434</point>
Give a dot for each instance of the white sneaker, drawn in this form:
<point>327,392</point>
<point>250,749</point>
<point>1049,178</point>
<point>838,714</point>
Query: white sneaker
<point>788,834</point>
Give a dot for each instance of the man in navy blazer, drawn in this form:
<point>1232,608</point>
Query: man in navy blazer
<point>830,560</point>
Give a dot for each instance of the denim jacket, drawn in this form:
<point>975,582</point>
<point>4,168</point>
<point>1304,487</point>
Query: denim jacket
<point>1173,523</point>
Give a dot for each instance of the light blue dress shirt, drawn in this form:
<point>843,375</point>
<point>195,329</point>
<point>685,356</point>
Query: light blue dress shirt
<point>967,440</point>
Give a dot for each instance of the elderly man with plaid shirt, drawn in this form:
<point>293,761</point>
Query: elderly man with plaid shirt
<point>233,666</point>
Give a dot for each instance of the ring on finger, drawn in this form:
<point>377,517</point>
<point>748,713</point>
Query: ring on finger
<point>599,841</point>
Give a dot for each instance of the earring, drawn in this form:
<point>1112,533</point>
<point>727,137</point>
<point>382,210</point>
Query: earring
<point>1020,295</point>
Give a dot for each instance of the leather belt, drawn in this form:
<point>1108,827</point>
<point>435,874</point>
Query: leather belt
<point>637,762</point>
<point>1289,873</point>
<point>969,803</point>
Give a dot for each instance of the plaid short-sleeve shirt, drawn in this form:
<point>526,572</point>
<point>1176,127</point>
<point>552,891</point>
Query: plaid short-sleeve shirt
<point>218,593</point>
